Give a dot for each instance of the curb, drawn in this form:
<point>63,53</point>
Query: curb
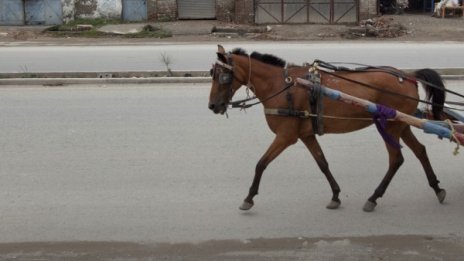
<point>67,81</point>
<point>60,79</point>
<point>453,77</point>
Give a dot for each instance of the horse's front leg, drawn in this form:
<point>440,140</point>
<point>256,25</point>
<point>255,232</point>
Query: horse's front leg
<point>279,144</point>
<point>315,149</point>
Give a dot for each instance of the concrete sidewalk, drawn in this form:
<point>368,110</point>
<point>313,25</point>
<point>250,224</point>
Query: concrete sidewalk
<point>420,28</point>
<point>185,30</point>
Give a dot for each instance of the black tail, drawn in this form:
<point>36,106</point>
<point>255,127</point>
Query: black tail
<point>434,88</point>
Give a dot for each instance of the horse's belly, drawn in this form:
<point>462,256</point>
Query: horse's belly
<point>345,125</point>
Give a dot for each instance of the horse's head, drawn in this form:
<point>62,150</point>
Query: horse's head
<point>224,84</point>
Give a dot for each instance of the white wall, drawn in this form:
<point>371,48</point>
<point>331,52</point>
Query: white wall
<point>68,10</point>
<point>109,8</point>
<point>97,9</point>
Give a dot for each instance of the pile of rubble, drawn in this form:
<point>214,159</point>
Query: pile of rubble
<point>378,27</point>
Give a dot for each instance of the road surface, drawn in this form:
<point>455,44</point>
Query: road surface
<point>118,169</point>
<point>198,57</point>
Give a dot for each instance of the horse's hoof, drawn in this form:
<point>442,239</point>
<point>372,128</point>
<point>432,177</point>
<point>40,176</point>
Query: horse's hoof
<point>333,204</point>
<point>246,205</point>
<point>369,206</point>
<point>441,195</point>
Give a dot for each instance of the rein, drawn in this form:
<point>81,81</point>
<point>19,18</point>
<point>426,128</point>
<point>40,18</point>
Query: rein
<point>331,66</point>
<point>243,103</point>
<point>318,64</point>
<point>395,93</point>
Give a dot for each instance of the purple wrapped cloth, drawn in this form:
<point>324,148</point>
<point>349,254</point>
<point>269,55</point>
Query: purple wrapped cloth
<point>380,118</point>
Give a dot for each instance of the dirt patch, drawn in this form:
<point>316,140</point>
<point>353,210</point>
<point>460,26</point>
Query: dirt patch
<point>398,248</point>
<point>406,27</point>
<point>379,27</point>
<point>24,35</point>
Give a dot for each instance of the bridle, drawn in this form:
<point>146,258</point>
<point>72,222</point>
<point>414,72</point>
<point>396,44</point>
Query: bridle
<point>226,78</point>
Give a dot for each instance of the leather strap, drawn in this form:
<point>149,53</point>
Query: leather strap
<point>287,112</point>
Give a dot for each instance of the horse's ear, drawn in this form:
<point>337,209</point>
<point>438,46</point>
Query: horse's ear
<point>222,57</point>
<point>221,53</point>
<point>221,49</point>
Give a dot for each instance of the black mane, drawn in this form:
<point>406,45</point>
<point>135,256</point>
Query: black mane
<point>265,58</point>
<point>269,59</point>
<point>239,51</point>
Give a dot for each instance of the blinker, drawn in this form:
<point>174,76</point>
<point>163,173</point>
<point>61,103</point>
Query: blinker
<point>225,78</point>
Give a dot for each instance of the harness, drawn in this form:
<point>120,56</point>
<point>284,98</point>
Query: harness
<point>227,77</point>
<point>315,94</point>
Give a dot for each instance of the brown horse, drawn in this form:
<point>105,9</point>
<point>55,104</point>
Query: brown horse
<point>272,83</point>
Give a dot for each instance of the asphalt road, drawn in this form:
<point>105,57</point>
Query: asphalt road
<point>147,163</point>
<point>199,56</point>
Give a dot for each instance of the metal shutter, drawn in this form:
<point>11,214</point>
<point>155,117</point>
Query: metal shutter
<point>306,11</point>
<point>284,11</point>
<point>43,12</point>
<point>134,10</point>
<point>11,12</point>
<point>196,9</point>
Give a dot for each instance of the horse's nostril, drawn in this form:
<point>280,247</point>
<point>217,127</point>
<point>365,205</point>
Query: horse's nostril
<point>211,106</point>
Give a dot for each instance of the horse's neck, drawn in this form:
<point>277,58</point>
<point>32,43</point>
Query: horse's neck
<point>266,79</point>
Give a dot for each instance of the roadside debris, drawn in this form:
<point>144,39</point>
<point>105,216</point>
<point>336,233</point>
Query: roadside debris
<point>378,27</point>
<point>237,31</point>
<point>84,27</point>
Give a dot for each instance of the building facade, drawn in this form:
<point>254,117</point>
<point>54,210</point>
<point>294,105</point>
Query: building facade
<point>19,12</point>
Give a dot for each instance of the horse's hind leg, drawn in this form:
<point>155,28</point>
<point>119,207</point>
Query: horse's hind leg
<point>419,150</point>
<point>279,144</point>
<point>313,146</point>
<point>395,161</point>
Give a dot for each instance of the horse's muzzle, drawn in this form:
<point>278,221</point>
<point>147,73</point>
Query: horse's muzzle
<point>218,108</point>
